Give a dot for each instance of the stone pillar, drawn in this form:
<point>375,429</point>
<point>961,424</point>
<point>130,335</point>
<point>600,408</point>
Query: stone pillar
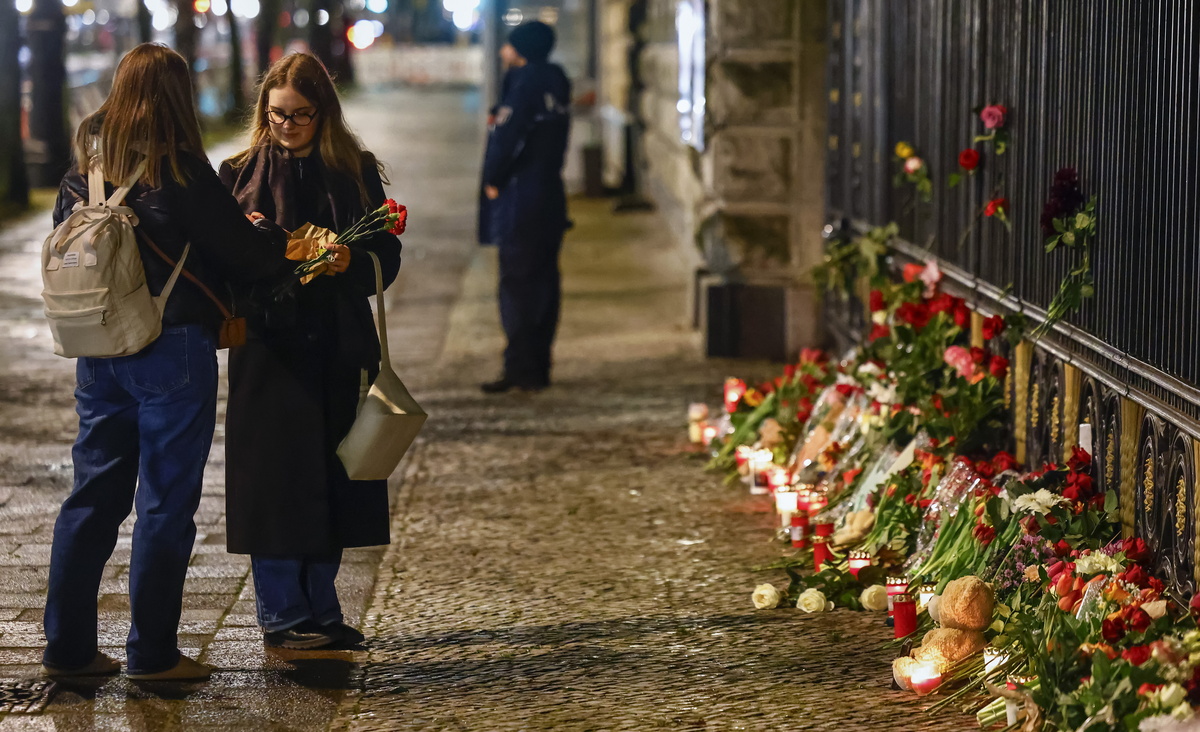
<point>751,203</point>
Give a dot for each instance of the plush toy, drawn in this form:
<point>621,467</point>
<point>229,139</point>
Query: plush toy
<point>770,434</point>
<point>965,610</point>
<point>858,524</point>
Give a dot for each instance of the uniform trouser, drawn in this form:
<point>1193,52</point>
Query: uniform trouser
<point>530,294</point>
<point>145,428</point>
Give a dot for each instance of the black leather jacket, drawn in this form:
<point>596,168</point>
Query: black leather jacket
<point>226,248</point>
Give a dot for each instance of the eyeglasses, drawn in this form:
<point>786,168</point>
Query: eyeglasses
<point>300,119</point>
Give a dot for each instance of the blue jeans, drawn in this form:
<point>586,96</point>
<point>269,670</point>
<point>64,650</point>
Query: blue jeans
<point>290,590</point>
<point>145,422</point>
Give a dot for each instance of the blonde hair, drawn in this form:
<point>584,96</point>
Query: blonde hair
<point>149,112</point>
<point>339,147</point>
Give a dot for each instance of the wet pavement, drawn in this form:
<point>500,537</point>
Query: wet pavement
<point>560,561</point>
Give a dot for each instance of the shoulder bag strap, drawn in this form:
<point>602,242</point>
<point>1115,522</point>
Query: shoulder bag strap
<point>385,360</point>
<point>166,291</point>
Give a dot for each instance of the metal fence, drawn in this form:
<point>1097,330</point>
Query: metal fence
<point>1110,88</point>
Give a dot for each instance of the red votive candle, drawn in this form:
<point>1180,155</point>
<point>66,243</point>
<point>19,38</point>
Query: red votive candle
<point>895,586</point>
<point>905,609</point>
<point>824,529</point>
<point>925,678</point>
<point>858,562</point>
<point>735,389</point>
<point>800,530</point>
<point>821,551</point>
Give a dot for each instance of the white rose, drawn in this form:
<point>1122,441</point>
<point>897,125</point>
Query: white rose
<point>874,598</point>
<point>1170,696</point>
<point>879,317</point>
<point>869,369</point>
<point>812,600</point>
<point>1155,609</point>
<point>766,597</point>
<point>933,607</point>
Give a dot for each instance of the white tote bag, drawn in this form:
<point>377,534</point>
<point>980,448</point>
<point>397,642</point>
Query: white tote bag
<point>388,417</point>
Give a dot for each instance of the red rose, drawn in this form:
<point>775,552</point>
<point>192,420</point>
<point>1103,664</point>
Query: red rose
<point>1194,606</point>
<point>1135,575</point>
<point>1062,548</point>
<point>924,503</point>
<point>1031,525</point>
<point>992,327</point>
<point>1135,549</point>
<point>996,206</point>
<point>912,272</point>
<point>968,159</point>
<point>978,355</point>
<point>1003,461</point>
<point>1071,493</point>
<point>1139,619</point>
<point>876,300</point>
<point>846,390</point>
<point>915,314</point>
<point>1112,629</point>
<point>1080,459</point>
<point>1156,585</point>
<point>910,499</point>
<point>941,303</point>
<point>985,469</point>
<point>879,331</point>
<point>1083,482</point>
<point>1137,655</point>
<point>962,314</point>
<point>998,367</point>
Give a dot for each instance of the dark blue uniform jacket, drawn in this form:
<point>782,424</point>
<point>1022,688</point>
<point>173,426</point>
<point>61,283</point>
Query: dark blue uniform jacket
<point>526,148</point>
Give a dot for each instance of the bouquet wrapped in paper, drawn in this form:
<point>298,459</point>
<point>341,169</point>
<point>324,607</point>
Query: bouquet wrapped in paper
<point>309,244</point>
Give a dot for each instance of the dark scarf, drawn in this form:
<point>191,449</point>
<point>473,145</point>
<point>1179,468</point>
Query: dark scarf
<point>268,184</point>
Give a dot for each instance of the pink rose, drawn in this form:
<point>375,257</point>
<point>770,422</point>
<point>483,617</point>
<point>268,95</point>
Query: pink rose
<point>913,164</point>
<point>931,276</point>
<point>962,361</point>
<point>993,116</point>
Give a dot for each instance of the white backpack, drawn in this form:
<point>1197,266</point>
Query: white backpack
<point>93,281</point>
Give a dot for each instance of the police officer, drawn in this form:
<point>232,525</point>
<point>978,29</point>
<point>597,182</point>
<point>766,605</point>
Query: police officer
<point>524,206</point>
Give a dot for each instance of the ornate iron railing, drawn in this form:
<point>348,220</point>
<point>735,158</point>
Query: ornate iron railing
<point>1110,88</point>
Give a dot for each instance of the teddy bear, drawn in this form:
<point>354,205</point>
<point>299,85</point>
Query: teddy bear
<point>965,610</point>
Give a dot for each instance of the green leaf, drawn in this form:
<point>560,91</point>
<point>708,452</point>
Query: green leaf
<point>954,179</point>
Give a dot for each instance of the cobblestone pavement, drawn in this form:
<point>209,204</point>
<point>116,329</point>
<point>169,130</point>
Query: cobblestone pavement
<point>422,137</point>
<point>562,562</point>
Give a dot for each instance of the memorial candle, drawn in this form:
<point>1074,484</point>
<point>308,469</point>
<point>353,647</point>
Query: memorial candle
<point>859,561</point>
<point>735,389</point>
<point>785,504</point>
<point>710,434</point>
<point>821,551</point>
<point>800,530</point>
<point>895,586</point>
<point>925,678</point>
<point>926,593</point>
<point>905,609</point>
<point>760,461</point>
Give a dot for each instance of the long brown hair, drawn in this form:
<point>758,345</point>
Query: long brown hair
<point>339,147</point>
<point>149,112</point>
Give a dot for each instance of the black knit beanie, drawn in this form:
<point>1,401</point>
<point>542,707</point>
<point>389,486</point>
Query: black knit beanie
<point>533,40</point>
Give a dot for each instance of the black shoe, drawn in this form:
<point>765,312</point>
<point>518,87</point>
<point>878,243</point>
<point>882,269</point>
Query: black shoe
<point>305,636</point>
<point>345,634</point>
<point>499,386</point>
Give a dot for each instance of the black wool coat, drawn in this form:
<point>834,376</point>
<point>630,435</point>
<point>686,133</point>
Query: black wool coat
<point>294,386</point>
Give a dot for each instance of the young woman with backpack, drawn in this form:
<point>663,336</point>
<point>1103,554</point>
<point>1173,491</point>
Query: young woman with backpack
<point>146,420</point>
<point>294,387</point>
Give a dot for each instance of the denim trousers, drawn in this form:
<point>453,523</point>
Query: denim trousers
<point>145,429</point>
<point>290,590</point>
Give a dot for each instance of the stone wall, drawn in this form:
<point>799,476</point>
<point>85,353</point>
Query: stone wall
<point>751,205</point>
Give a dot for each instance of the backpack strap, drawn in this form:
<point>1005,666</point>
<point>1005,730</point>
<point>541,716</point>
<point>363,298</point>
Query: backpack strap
<point>119,194</point>
<point>161,300</point>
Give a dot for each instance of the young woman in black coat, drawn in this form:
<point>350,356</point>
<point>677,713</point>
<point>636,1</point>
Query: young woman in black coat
<point>294,387</point>
<point>146,420</point>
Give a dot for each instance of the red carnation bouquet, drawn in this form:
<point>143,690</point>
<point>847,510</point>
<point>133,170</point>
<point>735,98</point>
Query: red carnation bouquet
<point>390,217</point>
